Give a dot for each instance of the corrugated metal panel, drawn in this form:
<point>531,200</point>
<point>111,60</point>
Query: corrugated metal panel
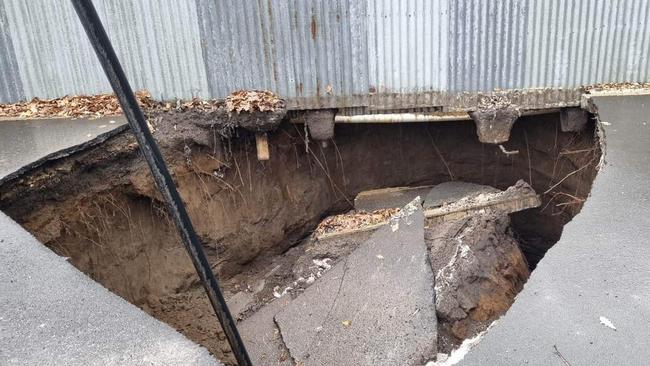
<point>376,54</point>
<point>157,42</point>
<point>306,51</point>
<point>573,43</point>
<point>11,88</point>
<point>407,45</point>
<point>486,43</point>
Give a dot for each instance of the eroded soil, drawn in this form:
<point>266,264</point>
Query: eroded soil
<point>100,208</point>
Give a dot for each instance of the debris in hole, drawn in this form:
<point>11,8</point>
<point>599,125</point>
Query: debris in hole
<point>323,263</point>
<point>479,267</point>
<point>457,355</point>
<point>268,207</point>
<point>507,152</point>
<point>368,313</point>
<point>606,322</point>
<point>262,145</point>
<point>353,222</point>
<point>278,294</point>
<point>516,198</point>
<point>388,198</point>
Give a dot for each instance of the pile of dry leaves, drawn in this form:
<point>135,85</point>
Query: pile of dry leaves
<point>95,106</point>
<point>354,220</point>
<point>252,100</point>
<point>68,106</point>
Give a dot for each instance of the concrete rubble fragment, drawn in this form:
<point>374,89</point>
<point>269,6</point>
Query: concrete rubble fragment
<point>393,322</point>
<point>379,305</point>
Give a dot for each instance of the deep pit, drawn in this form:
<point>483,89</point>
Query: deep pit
<point>100,208</point>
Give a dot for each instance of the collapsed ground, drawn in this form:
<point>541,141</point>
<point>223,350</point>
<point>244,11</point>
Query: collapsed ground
<point>99,207</point>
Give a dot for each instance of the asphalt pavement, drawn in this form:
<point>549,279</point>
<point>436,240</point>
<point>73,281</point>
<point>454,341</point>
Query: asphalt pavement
<point>27,142</point>
<point>588,300</point>
<point>52,314</point>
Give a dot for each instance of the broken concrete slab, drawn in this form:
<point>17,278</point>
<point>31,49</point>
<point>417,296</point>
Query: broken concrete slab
<point>374,308</point>
<point>262,337</point>
<point>516,198</point>
<point>27,144</point>
<point>240,302</point>
<point>395,197</point>
<point>449,192</point>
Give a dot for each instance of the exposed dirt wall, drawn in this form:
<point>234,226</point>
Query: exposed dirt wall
<point>99,207</point>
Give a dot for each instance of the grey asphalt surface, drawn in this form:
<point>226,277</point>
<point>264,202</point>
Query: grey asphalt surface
<point>376,307</point>
<point>25,142</point>
<point>52,314</point>
<point>599,268</point>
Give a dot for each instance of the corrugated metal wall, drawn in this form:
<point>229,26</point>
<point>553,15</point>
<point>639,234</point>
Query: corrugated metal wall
<point>330,53</point>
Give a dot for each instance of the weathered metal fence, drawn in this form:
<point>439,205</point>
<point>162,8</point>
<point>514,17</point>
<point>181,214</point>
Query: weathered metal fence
<point>332,53</point>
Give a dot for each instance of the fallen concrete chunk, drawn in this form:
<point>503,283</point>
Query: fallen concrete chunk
<point>374,308</point>
<point>262,337</point>
<point>395,197</point>
<point>516,198</point>
<point>449,192</point>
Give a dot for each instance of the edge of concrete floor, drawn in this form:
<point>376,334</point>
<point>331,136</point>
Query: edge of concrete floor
<point>61,153</point>
<point>597,277</point>
<point>53,314</point>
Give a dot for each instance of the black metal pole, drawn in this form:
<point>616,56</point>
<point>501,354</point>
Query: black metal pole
<point>107,57</point>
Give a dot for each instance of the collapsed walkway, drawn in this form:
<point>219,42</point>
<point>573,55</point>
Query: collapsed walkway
<point>448,259</point>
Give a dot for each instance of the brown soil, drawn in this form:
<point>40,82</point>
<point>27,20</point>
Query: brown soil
<point>479,270</point>
<point>99,207</point>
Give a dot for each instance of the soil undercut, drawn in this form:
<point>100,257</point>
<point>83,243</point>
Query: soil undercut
<point>100,208</point>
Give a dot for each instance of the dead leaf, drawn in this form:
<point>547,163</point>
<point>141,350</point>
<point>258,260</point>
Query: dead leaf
<point>354,220</point>
<point>346,323</point>
<point>94,106</point>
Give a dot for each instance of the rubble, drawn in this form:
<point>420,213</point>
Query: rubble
<point>374,308</point>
